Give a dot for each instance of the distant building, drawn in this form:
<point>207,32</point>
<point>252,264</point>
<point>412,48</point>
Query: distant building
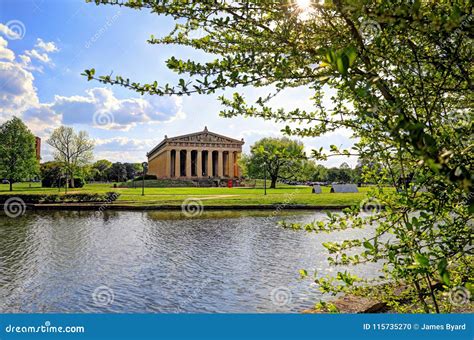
<point>196,155</point>
<point>38,148</point>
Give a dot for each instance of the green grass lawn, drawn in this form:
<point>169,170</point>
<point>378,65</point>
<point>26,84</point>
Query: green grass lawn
<point>283,194</point>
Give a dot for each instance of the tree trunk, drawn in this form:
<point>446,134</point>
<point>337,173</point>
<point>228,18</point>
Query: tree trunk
<point>273,184</point>
<point>72,181</point>
<point>11,184</point>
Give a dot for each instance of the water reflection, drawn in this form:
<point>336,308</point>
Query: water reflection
<point>158,262</point>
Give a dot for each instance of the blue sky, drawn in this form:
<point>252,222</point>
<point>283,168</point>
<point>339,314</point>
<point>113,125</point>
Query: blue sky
<point>46,44</point>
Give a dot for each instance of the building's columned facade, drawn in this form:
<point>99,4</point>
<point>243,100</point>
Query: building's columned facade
<point>197,155</point>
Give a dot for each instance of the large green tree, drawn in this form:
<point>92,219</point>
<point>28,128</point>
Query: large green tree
<point>118,171</point>
<point>400,77</point>
<point>51,174</point>
<point>71,149</point>
<point>17,152</point>
<point>101,167</point>
<point>281,158</point>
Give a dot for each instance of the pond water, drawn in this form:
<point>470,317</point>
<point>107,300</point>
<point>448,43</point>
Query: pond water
<point>141,262</point>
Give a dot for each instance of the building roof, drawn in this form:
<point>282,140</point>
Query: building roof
<point>204,136</point>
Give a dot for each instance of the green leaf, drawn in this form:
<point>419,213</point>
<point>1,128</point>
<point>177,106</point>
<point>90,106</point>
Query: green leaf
<point>442,265</point>
<point>422,260</point>
<point>331,56</point>
<point>89,74</point>
<point>446,279</point>
<point>342,64</point>
<point>351,53</point>
<point>443,272</point>
<point>368,245</point>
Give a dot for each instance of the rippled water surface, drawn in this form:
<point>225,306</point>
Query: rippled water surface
<point>157,262</point>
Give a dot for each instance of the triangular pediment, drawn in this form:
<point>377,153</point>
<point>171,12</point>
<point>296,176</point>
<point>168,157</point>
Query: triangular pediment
<point>204,137</point>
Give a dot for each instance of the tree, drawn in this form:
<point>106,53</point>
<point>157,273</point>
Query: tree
<point>87,172</point>
<point>51,174</point>
<point>401,72</point>
<point>341,174</point>
<point>344,166</point>
<point>366,165</point>
<point>132,169</point>
<point>101,167</point>
<point>280,157</point>
<point>71,149</point>
<point>118,171</point>
<point>17,152</point>
<point>308,171</point>
<point>332,175</point>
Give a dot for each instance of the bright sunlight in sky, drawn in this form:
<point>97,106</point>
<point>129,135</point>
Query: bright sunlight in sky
<point>305,8</point>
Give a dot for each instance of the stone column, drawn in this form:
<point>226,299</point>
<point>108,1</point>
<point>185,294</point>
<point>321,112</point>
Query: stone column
<point>188,163</point>
<point>168,164</point>
<point>220,164</point>
<point>177,164</point>
<point>231,164</point>
<point>209,163</point>
<point>237,169</point>
<point>199,163</point>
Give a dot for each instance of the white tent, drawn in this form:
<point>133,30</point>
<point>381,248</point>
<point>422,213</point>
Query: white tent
<point>317,189</point>
<point>344,188</point>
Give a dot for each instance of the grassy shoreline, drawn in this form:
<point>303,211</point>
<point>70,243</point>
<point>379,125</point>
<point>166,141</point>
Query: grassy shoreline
<point>297,197</point>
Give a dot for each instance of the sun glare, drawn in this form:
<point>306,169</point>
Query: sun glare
<point>305,8</point>
<point>303,5</point>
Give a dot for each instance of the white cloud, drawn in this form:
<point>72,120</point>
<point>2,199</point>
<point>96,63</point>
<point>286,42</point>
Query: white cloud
<point>48,47</point>
<point>5,30</point>
<point>17,92</point>
<point>40,52</point>
<point>42,57</point>
<point>5,53</point>
<point>25,60</point>
<point>41,120</point>
<point>333,161</point>
<point>124,144</point>
<point>18,97</point>
<point>123,149</point>
<point>100,108</point>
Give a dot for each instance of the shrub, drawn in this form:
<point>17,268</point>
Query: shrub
<point>147,177</point>
<point>78,182</point>
<point>62,198</point>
